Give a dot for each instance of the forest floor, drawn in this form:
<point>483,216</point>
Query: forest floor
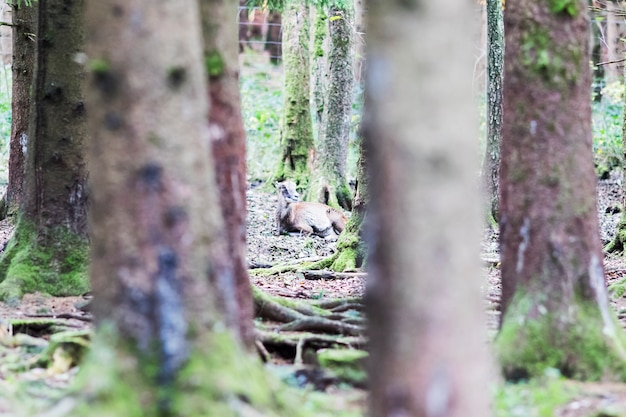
<point>39,316</point>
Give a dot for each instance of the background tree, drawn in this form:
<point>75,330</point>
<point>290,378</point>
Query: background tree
<point>495,62</point>
<point>228,143</point>
<point>619,240</point>
<point>319,55</point>
<point>273,39</point>
<point>424,309</point>
<point>158,328</point>
<point>23,68</point>
<point>296,138</point>
<point>48,252</point>
<point>555,311</point>
<point>328,180</point>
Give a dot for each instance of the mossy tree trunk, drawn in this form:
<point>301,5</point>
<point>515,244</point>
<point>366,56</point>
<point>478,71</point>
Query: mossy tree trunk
<point>495,63</point>
<point>328,180</point>
<point>296,136</point>
<point>423,300</point>
<point>318,67</point>
<point>23,68</point>
<point>228,143</point>
<point>48,252</point>
<point>158,328</point>
<point>555,311</point>
<point>351,247</point>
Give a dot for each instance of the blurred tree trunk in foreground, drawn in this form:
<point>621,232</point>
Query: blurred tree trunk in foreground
<point>48,251</point>
<point>427,333</point>
<point>156,225</point>
<point>555,311</point>
<point>228,142</point>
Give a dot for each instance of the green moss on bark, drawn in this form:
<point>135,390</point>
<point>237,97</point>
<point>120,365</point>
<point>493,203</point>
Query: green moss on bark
<point>579,345</point>
<point>54,264</point>
<point>219,379</point>
<point>296,125</point>
<point>617,244</point>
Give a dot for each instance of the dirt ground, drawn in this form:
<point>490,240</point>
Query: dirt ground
<point>266,248</point>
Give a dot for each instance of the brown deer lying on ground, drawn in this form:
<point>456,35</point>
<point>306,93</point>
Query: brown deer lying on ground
<point>295,216</point>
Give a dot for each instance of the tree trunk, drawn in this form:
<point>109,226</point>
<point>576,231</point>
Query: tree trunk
<point>273,39</point>
<point>495,63</point>
<point>243,22</point>
<point>228,142</point>
<point>555,311</point>
<point>318,67</point>
<point>296,139</point>
<point>48,252</point>
<point>328,180</point>
<point>166,350</point>
<point>596,56</point>
<point>612,39</point>
<point>424,307</point>
<point>351,249</point>
<point>23,68</point>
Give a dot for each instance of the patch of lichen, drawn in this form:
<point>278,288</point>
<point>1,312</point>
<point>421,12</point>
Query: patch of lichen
<point>53,263</point>
<point>576,343</point>
<point>552,62</point>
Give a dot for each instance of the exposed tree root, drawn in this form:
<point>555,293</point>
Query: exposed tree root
<point>321,340</point>
<point>309,274</point>
<point>303,316</point>
<point>322,325</point>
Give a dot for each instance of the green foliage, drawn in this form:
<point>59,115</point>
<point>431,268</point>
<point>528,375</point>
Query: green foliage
<point>261,106</point>
<point>538,398</point>
<point>99,66</point>
<point>27,3</point>
<point>607,130</point>
<point>570,7</point>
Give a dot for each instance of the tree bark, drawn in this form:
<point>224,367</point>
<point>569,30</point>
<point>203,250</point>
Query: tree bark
<point>273,37</point>
<point>328,180</point>
<point>228,143</point>
<point>555,311</point>
<point>495,64</point>
<point>48,252</point>
<point>296,137</point>
<point>158,327</point>
<point>23,68</point>
<point>423,298</point>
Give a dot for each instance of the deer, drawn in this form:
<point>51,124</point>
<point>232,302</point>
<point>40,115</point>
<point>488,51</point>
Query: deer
<point>297,217</point>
